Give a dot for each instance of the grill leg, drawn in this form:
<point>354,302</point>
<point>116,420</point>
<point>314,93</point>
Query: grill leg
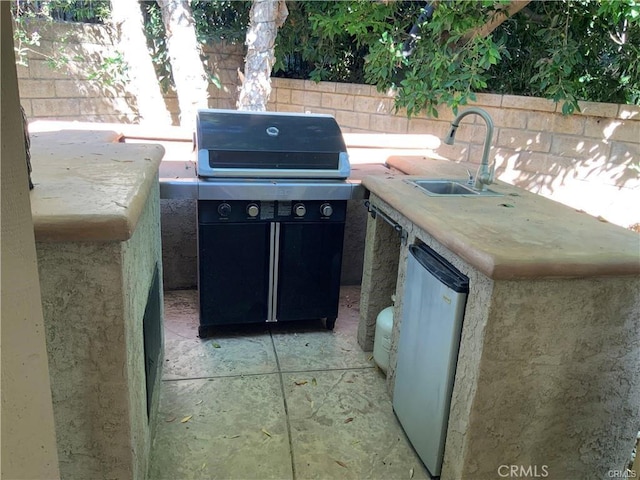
<point>330,323</point>
<point>205,331</point>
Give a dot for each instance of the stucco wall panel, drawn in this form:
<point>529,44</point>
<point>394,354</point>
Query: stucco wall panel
<point>94,296</point>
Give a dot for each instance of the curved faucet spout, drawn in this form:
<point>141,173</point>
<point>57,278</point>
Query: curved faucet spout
<point>484,175</point>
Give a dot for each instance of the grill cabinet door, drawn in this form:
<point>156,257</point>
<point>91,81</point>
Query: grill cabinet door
<point>309,270</point>
<point>233,273</point>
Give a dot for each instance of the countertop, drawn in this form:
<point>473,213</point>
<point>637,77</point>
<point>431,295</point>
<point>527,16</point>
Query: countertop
<point>520,235</point>
<point>88,185</point>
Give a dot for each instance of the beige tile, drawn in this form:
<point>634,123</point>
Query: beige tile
<point>309,346</point>
<point>224,436</point>
<point>343,426</point>
<point>231,351</point>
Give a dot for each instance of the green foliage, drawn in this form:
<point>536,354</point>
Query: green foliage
<point>571,51</point>
<point>567,50</point>
<point>85,11</point>
<point>221,20</point>
<point>157,43</point>
<point>445,67</point>
<point>215,21</point>
<point>110,72</point>
<point>330,40</point>
<point>362,41</point>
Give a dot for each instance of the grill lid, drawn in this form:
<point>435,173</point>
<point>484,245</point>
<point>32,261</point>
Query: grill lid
<point>232,143</point>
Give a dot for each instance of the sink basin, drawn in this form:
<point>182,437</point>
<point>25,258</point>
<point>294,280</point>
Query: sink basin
<point>450,188</point>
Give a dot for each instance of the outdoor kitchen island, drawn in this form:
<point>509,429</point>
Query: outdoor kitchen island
<point>96,217</point>
<point>548,371</point>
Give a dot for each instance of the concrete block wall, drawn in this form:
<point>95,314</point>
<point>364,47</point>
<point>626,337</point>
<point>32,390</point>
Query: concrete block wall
<point>66,91</point>
<point>589,160</point>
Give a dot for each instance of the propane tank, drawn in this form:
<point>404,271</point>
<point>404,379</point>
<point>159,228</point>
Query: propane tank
<point>382,339</point>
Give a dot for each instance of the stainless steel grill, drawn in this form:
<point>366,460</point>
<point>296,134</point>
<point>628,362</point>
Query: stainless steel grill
<point>233,143</point>
<point>272,191</point>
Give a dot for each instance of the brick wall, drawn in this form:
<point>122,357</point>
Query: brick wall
<point>587,160</point>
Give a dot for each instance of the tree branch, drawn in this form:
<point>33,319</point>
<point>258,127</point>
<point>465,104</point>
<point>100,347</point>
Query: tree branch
<point>500,16</point>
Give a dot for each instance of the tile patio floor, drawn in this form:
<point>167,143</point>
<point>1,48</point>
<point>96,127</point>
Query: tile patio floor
<point>285,401</point>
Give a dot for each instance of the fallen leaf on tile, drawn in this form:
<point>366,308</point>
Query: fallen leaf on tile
<point>266,433</point>
<point>170,419</point>
<point>311,404</point>
<point>301,382</point>
<point>342,464</point>
<point>348,381</point>
<point>345,349</point>
<point>411,473</point>
<point>235,436</point>
<point>314,382</point>
<point>120,204</point>
<point>356,442</point>
<point>349,420</point>
<point>203,465</point>
<point>370,358</point>
<point>186,419</point>
<point>215,345</point>
<point>199,402</point>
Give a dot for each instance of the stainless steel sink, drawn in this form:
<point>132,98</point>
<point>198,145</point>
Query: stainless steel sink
<point>450,188</point>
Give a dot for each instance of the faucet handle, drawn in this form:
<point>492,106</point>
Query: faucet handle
<point>470,175</point>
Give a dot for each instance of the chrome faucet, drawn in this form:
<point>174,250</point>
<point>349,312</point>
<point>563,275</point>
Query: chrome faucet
<point>484,175</point>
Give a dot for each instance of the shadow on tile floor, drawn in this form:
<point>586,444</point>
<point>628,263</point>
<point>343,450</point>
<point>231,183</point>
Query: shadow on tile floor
<point>286,401</point>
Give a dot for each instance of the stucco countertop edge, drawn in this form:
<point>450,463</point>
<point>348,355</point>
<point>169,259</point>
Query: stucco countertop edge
<point>89,186</point>
<point>519,235</point>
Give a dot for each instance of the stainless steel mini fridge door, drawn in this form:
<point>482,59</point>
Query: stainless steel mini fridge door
<point>433,308</point>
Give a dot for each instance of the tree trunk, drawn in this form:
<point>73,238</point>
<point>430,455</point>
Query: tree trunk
<point>189,75</point>
<point>126,15</point>
<point>265,18</point>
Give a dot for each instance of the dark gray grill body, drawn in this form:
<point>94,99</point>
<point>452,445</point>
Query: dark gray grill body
<point>272,194</point>
<point>232,143</point>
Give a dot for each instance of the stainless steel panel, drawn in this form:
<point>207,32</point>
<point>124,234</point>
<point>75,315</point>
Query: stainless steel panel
<point>343,171</point>
<point>179,188</point>
<point>249,189</point>
<point>432,316</point>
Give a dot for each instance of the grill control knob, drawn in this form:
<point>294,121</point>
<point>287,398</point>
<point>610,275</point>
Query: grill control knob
<point>253,210</point>
<point>326,210</point>
<point>299,209</point>
<point>224,209</point>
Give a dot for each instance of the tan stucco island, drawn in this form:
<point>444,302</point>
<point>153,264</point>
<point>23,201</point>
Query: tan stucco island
<point>548,370</point>
<point>96,217</point>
